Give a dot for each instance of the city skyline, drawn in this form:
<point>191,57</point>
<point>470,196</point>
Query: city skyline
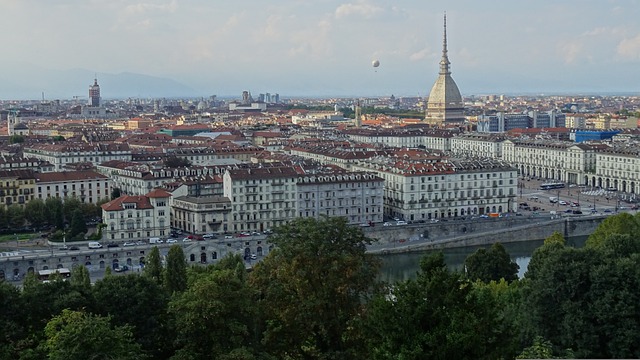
<point>321,48</point>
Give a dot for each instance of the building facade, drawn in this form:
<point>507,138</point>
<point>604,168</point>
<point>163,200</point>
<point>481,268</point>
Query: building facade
<point>135,218</point>
<point>87,186</point>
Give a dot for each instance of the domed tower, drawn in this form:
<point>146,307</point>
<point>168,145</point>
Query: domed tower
<point>444,105</point>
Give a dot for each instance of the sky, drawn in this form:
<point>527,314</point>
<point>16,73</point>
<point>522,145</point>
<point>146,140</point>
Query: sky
<point>326,47</point>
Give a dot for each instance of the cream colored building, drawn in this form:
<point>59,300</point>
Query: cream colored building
<point>420,191</point>
<point>87,186</point>
<point>140,217</point>
<point>201,215</point>
<point>477,145</point>
<point>553,160</point>
<point>261,198</point>
<point>357,196</point>
<point>618,168</point>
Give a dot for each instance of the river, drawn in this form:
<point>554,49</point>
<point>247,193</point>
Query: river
<point>403,266</point>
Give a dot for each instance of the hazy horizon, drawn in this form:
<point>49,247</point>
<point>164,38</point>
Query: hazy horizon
<point>202,48</point>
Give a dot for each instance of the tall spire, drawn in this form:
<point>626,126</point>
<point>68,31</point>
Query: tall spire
<point>444,62</point>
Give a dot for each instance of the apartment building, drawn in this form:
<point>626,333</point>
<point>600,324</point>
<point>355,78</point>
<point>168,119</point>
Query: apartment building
<point>201,214</point>
<point>444,188</point>
<point>549,159</point>
<point>618,168</point>
<point>477,145</point>
<point>60,155</point>
<point>88,186</point>
<point>16,186</point>
<point>435,139</point>
<point>357,196</point>
<point>139,217</point>
<point>261,198</point>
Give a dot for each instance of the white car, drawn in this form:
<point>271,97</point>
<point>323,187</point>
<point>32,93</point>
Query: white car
<point>186,239</point>
<point>129,244</point>
<point>172,241</point>
<point>401,222</point>
<point>387,224</point>
<point>228,236</point>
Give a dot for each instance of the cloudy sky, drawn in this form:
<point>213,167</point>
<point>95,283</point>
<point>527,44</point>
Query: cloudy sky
<point>325,47</point>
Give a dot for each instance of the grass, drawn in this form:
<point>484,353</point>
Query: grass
<point>12,237</point>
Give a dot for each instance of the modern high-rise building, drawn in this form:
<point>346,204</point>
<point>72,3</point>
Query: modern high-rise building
<point>444,105</point>
<point>94,94</point>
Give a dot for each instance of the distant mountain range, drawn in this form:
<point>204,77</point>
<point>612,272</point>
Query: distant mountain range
<point>28,82</point>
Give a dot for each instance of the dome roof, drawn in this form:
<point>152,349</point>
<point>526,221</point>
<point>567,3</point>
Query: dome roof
<point>445,102</point>
<point>445,93</point>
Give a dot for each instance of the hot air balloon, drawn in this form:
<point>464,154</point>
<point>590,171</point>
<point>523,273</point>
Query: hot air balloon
<point>375,63</point>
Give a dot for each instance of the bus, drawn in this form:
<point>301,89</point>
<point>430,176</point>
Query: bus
<point>44,275</point>
<point>549,186</point>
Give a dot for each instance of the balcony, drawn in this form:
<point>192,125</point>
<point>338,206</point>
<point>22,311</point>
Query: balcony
<point>214,222</point>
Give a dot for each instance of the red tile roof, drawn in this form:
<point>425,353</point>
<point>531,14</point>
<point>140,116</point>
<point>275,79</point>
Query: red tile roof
<point>158,193</point>
<point>68,176</point>
<point>142,202</point>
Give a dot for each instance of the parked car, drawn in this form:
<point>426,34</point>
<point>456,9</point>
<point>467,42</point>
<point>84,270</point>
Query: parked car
<point>387,224</point>
<point>112,245</point>
<point>172,241</point>
<point>186,239</point>
<point>253,256</point>
<point>121,268</point>
<point>209,236</point>
<point>228,236</point>
<point>74,248</point>
<point>401,222</point>
<point>128,243</point>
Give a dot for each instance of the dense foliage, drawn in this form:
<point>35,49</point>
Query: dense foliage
<point>315,296</point>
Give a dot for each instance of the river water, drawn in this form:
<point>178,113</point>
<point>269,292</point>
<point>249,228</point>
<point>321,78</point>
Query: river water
<point>403,266</point>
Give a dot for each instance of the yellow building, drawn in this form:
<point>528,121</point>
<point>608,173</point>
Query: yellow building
<point>16,186</point>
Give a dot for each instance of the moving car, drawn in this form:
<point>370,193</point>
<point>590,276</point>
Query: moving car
<point>129,244</point>
<point>172,241</point>
<point>401,222</point>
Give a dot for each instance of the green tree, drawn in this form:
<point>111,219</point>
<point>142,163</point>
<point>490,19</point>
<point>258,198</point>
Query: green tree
<point>115,193</point>
<point>36,212</point>
<point>214,317</point>
<point>76,335</point>
<point>623,223</point>
<point>12,328</point>
<point>16,139</point>
<point>71,204</point>
<point>78,225</point>
<point>140,302</point>
<point>439,315</point>
<point>15,216</point>
<point>312,286</point>
<point>153,266</point>
<point>80,277</point>
<point>541,349</point>
<point>55,212</point>
<point>494,264</point>
<point>175,274</point>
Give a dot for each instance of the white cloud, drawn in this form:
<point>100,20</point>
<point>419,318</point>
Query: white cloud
<point>420,55</point>
<point>570,51</point>
<point>361,8</point>
<point>630,48</point>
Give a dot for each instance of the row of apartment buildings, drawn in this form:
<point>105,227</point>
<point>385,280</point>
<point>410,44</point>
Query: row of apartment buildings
<point>22,185</point>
